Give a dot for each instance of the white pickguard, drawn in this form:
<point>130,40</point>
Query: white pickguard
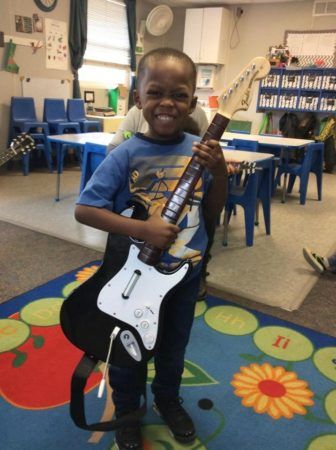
<point>141,309</point>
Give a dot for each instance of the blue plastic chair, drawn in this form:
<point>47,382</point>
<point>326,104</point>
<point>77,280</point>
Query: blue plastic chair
<point>257,189</point>
<point>312,161</point>
<point>244,144</point>
<point>23,117</point>
<point>41,143</point>
<point>23,120</point>
<point>93,155</point>
<point>54,114</point>
<point>249,146</point>
<point>245,196</point>
<point>76,113</point>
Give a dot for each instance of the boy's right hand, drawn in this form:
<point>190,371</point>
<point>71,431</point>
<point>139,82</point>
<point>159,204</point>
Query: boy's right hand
<point>159,233</point>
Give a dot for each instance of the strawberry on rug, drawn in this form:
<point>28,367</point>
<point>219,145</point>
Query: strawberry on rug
<point>251,381</point>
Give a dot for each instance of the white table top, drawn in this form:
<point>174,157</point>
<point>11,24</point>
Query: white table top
<point>105,139</point>
<point>269,140</point>
<point>82,138</point>
<point>246,156</point>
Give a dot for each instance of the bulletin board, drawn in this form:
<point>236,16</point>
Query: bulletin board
<point>311,46</point>
<point>41,88</point>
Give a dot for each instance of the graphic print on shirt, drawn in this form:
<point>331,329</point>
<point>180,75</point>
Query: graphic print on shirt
<point>151,182</point>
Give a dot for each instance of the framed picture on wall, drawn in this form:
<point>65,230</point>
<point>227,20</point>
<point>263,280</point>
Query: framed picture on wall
<point>23,24</point>
<point>205,76</point>
<point>89,96</point>
<point>37,23</point>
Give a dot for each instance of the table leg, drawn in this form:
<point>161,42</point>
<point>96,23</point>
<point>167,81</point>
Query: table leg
<point>264,194</point>
<point>284,188</point>
<point>256,220</point>
<point>226,224</point>
<point>59,154</point>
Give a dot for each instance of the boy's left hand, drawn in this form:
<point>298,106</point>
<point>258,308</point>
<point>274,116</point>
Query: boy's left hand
<point>210,155</point>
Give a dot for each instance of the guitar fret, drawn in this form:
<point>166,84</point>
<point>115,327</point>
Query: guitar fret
<point>180,191</point>
<point>173,206</point>
<point>170,214</point>
<point>179,200</point>
<point>192,170</point>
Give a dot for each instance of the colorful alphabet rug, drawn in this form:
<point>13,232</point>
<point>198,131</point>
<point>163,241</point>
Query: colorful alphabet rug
<point>251,381</point>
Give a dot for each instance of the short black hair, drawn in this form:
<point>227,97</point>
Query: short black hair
<point>163,53</point>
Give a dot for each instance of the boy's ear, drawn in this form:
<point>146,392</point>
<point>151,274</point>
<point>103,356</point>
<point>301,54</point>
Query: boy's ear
<point>193,104</point>
<point>136,99</point>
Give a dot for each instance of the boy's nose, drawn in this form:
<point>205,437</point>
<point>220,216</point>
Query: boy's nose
<point>167,100</point>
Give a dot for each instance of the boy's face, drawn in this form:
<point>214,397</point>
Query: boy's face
<point>166,96</point>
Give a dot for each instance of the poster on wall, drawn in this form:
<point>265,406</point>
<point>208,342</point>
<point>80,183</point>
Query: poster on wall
<point>317,48</point>
<point>57,49</point>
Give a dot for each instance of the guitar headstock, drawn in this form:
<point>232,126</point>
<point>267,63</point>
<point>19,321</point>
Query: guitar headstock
<point>237,96</point>
<point>248,166</point>
<point>22,144</point>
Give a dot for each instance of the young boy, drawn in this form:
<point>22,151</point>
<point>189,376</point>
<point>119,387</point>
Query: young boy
<point>146,168</point>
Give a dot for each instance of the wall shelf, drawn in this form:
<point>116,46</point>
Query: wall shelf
<point>298,90</point>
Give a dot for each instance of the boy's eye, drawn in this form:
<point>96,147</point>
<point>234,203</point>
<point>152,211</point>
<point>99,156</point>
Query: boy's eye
<point>154,93</point>
<point>180,95</point>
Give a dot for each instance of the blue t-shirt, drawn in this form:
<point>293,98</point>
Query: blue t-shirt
<point>146,171</point>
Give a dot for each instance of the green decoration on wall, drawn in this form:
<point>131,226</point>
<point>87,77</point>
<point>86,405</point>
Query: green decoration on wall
<point>10,64</point>
<point>113,98</point>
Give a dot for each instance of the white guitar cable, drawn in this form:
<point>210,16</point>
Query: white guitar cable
<point>103,381</point>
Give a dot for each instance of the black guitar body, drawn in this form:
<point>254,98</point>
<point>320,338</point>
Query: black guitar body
<point>89,328</point>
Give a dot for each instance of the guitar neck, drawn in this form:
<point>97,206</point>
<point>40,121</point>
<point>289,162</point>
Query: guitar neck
<point>6,156</point>
<point>183,191</point>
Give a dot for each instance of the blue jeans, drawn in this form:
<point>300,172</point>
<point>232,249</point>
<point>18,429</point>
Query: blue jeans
<point>129,384</point>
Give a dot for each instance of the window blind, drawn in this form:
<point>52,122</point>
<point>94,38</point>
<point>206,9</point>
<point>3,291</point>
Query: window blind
<point>107,39</point>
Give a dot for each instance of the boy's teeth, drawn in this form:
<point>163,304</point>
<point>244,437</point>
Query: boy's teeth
<point>164,117</point>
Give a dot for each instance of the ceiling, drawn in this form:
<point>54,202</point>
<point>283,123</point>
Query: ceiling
<point>190,3</point>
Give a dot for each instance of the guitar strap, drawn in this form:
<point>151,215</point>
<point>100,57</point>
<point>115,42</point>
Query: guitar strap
<point>77,405</point>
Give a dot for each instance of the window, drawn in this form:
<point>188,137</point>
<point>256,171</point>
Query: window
<point>107,55</point>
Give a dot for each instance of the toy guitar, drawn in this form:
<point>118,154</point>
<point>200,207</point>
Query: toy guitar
<point>123,302</point>
<point>21,145</point>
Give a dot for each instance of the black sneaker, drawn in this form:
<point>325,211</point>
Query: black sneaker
<point>128,437</point>
<point>176,418</point>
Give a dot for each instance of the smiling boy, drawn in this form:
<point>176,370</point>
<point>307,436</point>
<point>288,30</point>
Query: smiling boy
<point>145,170</point>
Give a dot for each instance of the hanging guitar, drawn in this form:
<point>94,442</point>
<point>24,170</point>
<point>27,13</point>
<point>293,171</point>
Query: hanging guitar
<point>21,145</point>
<point>123,302</point>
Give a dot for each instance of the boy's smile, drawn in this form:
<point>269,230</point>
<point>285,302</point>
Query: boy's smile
<point>166,96</point>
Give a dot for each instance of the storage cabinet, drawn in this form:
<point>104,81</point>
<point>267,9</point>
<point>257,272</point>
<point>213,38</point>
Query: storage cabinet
<point>298,90</point>
<point>206,35</point>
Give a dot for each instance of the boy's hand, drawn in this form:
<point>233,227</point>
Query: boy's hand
<point>210,155</point>
<point>158,232</point>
